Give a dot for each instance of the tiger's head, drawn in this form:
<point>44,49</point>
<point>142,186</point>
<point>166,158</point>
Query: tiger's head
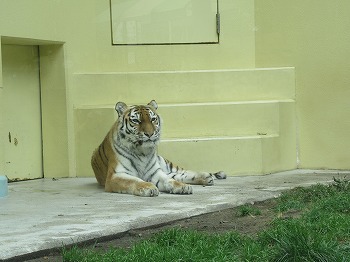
<point>140,125</point>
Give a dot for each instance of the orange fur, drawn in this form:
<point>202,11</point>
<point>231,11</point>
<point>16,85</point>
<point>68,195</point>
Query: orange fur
<point>104,159</point>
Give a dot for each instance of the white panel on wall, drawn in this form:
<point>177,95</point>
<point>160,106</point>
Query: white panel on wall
<point>164,21</point>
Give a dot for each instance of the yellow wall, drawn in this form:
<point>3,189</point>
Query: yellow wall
<point>75,40</point>
<point>313,36</point>
<point>92,37</point>
<point>85,27</point>
<point>76,37</point>
<point>1,115</point>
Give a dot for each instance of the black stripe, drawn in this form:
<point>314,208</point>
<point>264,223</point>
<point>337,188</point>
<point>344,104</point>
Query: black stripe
<point>95,165</point>
<point>155,172</point>
<point>126,156</point>
<point>99,153</point>
<point>160,161</point>
<point>146,172</point>
<point>119,149</point>
<point>136,156</point>
<point>168,165</point>
<point>104,151</point>
<point>151,162</point>
<point>127,169</point>
<point>130,174</point>
<point>127,127</point>
<point>124,123</point>
<point>127,152</point>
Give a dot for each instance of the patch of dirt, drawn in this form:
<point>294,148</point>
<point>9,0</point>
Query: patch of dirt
<point>216,222</point>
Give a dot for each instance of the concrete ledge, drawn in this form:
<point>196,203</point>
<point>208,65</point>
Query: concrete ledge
<point>43,214</point>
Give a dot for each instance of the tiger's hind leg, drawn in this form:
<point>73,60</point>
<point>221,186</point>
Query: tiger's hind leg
<point>166,184</point>
<point>219,175</point>
<point>188,176</point>
<point>197,178</point>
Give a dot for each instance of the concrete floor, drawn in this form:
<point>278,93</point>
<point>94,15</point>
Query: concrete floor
<point>43,214</point>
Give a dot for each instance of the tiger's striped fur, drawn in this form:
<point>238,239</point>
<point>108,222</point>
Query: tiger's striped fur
<point>127,161</point>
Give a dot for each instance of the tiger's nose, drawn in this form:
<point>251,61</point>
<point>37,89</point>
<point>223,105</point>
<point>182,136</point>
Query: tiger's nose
<point>148,134</point>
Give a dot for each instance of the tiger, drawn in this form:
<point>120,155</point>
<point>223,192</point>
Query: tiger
<point>127,160</point>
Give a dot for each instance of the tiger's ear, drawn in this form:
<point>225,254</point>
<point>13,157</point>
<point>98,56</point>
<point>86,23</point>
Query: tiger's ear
<point>153,104</point>
<point>121,107</point>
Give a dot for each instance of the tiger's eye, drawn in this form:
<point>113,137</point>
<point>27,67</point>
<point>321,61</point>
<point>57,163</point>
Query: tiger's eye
<point>135,120</point>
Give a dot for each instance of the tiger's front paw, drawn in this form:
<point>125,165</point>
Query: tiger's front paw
<point>176,187</point>
<point>146,189</point>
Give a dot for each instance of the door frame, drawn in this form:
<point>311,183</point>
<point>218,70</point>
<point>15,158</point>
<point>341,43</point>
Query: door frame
<point>53,104</point>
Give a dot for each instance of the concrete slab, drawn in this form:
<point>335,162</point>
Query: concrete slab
<point>44,214</point>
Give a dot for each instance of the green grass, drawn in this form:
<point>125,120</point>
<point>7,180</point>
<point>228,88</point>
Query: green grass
<point>248,210</point>
<point>322,233</point>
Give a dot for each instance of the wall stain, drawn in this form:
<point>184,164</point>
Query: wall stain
<point>15,141</point>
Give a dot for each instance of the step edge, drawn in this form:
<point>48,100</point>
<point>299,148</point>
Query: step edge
<point>196,139</point>
<point>186,71</point>
<point>270,101</point>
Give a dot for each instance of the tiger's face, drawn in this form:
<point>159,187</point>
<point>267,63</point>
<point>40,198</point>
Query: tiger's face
<point>140,124</point>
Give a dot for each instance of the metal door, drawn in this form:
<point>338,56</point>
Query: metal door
<point>21,111</point>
